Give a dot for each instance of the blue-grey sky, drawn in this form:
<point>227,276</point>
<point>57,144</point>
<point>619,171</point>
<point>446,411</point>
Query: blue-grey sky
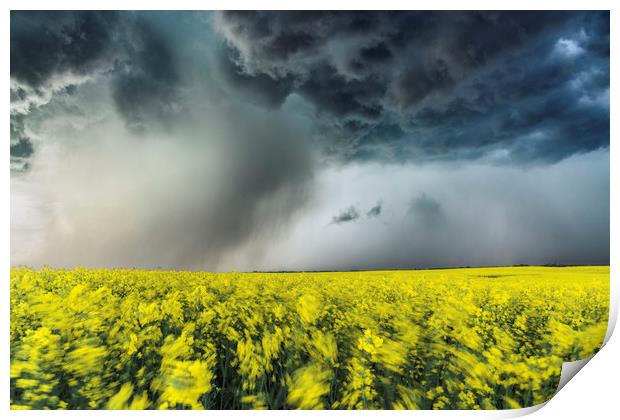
<point>309,140</point>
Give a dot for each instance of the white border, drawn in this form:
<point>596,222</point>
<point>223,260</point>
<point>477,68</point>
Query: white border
<point>592,394</point>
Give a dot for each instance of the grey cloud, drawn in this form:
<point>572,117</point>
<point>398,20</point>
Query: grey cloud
<point>194,198</point>
<point>349,215</point>
<point>263,180</point>
<point>374,211</point>
<point>449,215</point>
<point>425,209</point>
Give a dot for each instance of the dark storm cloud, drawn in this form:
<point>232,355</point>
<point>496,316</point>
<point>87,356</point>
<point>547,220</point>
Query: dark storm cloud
<point>44,44</point>
<point>133,48</point>
<point>391,86</point>
<point>261,89</point>
<point>22,148</point>
<point>50,50</point>
<point>374,211</point>
<point>518,86</point>
<point>349,215</point>
<point>144,86</point>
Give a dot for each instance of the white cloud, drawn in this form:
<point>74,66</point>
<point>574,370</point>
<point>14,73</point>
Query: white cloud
<point>567,48</point>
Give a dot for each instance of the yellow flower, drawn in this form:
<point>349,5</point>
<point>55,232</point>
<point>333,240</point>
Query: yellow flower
<point>119,400</point>
<point>309,384</point>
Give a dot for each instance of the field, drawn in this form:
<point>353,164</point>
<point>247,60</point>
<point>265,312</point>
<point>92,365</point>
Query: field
<point>482,338</point>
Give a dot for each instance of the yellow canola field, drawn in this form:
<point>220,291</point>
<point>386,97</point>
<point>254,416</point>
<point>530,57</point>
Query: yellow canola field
<point>430,339</point>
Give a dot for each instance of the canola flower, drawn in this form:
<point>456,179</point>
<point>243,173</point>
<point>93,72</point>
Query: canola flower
<point>486,338</point>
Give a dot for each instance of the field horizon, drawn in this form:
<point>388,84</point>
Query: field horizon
<point>312,271</point>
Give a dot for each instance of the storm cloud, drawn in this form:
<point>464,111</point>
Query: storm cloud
<point>48,44</point>
<point>518,86</point>
<point>219,140</point>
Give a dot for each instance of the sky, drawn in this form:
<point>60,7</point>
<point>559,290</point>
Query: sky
<point>241,141</point>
